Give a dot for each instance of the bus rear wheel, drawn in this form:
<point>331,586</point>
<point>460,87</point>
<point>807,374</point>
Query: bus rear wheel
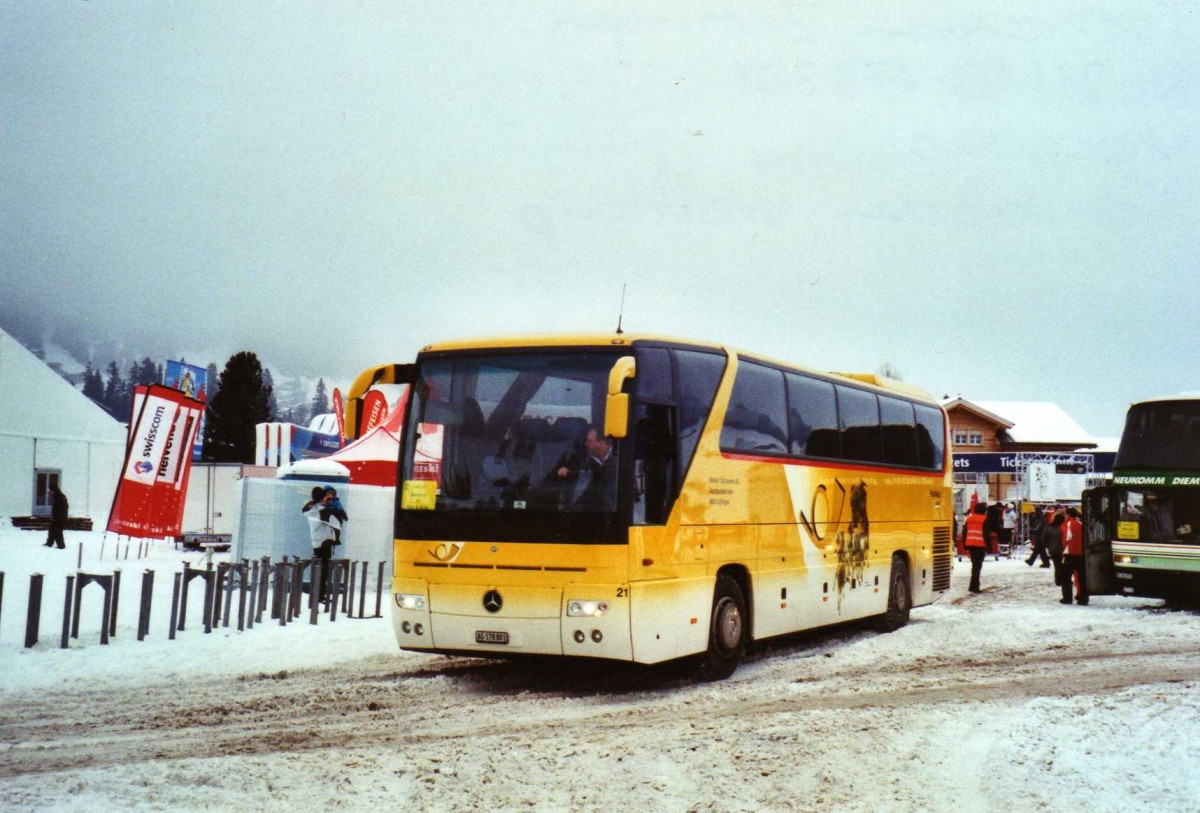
<point>726,631</point>
<point>899,599</point>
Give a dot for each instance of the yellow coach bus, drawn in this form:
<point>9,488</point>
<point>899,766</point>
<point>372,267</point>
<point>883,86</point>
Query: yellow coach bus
<point>646,499</point>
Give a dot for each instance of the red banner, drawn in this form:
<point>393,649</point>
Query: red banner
<point>153,486</point>
<point>374,411</point>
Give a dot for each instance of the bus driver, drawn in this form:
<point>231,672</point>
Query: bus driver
<point>591,475</point>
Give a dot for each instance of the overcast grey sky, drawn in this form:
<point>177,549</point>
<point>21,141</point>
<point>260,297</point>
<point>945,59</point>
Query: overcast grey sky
<point>999,200</point>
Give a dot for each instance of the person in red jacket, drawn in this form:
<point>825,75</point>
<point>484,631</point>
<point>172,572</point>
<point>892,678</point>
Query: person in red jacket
<point>975,542</point>
<point>1072,561</point>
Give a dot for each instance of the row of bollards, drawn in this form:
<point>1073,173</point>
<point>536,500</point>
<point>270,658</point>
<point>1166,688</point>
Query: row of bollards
<point>261,587</point>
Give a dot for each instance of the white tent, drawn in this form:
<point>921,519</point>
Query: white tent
<point>50,428</point>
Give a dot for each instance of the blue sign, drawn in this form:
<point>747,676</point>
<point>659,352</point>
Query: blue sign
<point>1006,462</point>
<point>192,381</point>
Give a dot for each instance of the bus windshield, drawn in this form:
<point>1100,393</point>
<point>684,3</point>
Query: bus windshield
<point>1162,515</point>
<point>520,434</point>
<point>1161,435</point>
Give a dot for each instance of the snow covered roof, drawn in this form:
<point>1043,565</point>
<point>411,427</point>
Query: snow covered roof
<point>972,406</point>
<point>36,402</point>
<point>319,468</point>
<point>1038,422</point>
<point>325,423</point>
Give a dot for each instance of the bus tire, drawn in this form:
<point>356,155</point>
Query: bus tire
<point>727,630</point>
<point>899,599</point>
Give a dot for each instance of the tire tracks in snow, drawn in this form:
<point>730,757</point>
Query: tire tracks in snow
<point>377,705</point>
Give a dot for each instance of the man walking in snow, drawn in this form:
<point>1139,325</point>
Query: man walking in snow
<point>58,518</point>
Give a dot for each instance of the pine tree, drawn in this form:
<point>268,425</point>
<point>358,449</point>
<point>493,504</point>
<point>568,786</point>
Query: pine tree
<point>272,402</point>
<point>212,381</point>
<point>115,392</point>
<point>93,385</point>
<point>241,402</point>
<point>320,401</point>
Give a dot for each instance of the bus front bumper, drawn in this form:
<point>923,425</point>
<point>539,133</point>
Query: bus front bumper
<point>578,620</point>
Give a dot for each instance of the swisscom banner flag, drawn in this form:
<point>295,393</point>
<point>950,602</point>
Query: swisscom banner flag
<point>153,486</point>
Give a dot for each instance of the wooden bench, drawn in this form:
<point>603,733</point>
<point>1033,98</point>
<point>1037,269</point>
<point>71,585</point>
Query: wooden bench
<point>43,523</point>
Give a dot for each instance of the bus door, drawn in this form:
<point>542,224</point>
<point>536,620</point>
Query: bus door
<point>1097,541</point>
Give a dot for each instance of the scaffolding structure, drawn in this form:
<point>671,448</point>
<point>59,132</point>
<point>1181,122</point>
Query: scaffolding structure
<point>1083,461</point>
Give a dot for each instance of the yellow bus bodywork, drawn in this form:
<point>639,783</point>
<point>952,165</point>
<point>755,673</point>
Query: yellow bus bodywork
<point>814,544</point>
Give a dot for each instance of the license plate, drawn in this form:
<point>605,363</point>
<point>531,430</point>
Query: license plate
<point>487,637</point>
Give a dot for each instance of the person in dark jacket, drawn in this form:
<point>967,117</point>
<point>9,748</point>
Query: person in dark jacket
<point>58,518</point>
<point>993,527</point>
<point>1052,541</point>
<point>1037,521</point>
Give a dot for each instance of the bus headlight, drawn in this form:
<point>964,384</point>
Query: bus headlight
<point>586,608</point>
<point>1125,560</point>
<point>410,601</point>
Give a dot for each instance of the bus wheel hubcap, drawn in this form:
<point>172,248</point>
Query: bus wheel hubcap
<point>729,625</point>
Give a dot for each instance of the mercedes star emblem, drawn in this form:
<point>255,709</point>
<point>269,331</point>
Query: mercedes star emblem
<point>492,602</point>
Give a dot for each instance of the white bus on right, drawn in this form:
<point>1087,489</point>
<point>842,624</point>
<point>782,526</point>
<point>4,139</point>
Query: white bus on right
<point>1142,533</point>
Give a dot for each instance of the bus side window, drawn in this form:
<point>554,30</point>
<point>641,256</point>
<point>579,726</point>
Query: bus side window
<point>697,376</point>
<point>899,433</point>
<point>756,420</point>
<point>931,437</point>
<point>812,416</point>
<point>859,414</point>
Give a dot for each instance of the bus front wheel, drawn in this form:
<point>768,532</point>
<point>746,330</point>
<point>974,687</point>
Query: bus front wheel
<point>899,599</point>
<point>726,630</point>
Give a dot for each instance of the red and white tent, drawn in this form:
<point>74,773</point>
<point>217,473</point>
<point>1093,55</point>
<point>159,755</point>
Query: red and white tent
<point>372,458</point>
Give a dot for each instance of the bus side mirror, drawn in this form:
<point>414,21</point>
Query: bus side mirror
<point>616,408</point>
<point>383,374</point>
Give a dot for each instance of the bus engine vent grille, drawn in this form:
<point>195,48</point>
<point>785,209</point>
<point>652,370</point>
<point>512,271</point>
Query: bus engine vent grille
<point>943,559</point>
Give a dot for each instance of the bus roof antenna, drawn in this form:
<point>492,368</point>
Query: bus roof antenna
<point>621,313</point>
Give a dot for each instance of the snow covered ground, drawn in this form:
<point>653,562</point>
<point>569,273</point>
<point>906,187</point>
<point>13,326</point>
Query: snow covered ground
<point>1003,701</point>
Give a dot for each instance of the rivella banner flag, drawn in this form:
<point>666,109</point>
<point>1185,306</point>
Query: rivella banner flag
<point>192,381</point>
<point>374,411</point>
<point>153,485</point>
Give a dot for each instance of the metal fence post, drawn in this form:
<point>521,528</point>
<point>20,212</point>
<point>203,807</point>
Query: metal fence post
<point>147,595</point>
<point>66,625</point>
<point>379,593</point>
<point>362,592</point>
<point>174,605</point>
<point>208,598</point>
<point>335,580</point>
<point>183,595</point>
<point>228,583</point>
<point>242,572</point>
<point>116,593</point>
<point>75,610</point>
<point>33,617</point>
<point>253,595</point>
<point>106,617</point>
